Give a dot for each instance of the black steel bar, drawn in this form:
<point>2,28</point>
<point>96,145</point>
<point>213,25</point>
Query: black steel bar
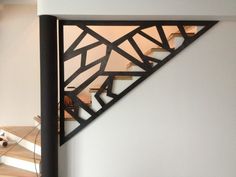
<point>136,23</point>
<point>62,91</point>
<point>69,55</point>
<point>82,69</point>
<point>183,32</point>
<point>139,52</point>
<point>83,59</point>
<point>105,60</point>
<point>74,115</point>
<point>76,42</point>
<point>48,73</point>
<point>163,37</point>
<point>86,83</point>
<point>99,92</point>
<point>123,73</point>
<point>124,38</point>
<point>109,88</point>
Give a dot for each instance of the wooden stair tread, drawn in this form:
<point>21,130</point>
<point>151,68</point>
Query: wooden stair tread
<point>22,131</point>
<point>123,77</point>
<point>67,118</point>
<point>178,34</point>
<point>150,51</point>
<point>19,152</point>
<point>8,171</point>
<point>95,89</point>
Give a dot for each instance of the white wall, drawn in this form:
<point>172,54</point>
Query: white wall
<point>181,122</point>
<point>19,2</point>
<point>19,65</point>
<point>139,9</point>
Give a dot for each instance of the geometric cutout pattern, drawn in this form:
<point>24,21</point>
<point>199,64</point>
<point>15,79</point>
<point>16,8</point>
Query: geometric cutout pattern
<point>108,59</point>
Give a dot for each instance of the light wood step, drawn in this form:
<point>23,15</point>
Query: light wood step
<point>150,51</point>
<point>25,135</point>
<point>22,131</point>
<point>17,156</point>
<point>67,118</point>
<point>8,171</point>
<point>19,152</point>
<point>178,34</point>
<point>123,77</point>
<point>95,89</point>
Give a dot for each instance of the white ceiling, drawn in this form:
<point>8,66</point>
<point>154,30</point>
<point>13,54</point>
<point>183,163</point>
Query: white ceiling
<point>140,10</point>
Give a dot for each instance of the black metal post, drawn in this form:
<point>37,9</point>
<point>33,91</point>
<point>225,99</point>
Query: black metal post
<point>49,84</point>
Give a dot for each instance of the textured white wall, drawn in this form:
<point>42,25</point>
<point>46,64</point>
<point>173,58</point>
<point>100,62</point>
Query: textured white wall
<point>19,65</point>
<point>181,122</point>
<point>139,9</point>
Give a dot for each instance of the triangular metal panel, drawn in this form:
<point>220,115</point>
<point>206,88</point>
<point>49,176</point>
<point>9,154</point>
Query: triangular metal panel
<point>144,65</point>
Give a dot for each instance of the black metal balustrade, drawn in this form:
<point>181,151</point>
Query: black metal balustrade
<point>146,63</point>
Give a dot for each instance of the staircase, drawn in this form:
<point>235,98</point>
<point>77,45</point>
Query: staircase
<point>21,158</point>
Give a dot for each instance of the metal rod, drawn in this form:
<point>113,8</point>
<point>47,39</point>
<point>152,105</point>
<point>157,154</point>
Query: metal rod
<point>49,94</point>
